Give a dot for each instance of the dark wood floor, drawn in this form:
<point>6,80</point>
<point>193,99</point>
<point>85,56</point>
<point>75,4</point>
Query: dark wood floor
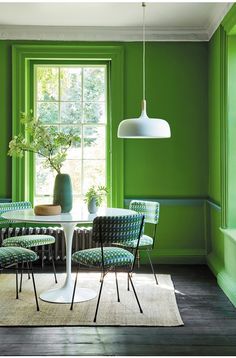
<point>209,317</point>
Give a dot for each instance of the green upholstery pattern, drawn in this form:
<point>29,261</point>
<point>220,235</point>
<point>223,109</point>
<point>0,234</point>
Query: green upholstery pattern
<point>14,255</point>
<point>112,256</point>
<point>108,229</point>
<point>28,241</point>
<point>150,210</point>
<point>145,240</point>
<point>17,205</point>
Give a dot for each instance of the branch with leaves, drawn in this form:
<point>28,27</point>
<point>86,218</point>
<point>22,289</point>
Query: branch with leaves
<point>46,141</point>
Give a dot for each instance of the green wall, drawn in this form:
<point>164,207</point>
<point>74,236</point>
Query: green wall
<point>174,170</point>
<point>221,224</point>
<point>177,92</point>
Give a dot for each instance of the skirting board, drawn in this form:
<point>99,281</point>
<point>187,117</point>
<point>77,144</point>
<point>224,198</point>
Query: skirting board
<point>223,279</point>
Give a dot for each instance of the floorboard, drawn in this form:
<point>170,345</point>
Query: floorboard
<point>209,317</point>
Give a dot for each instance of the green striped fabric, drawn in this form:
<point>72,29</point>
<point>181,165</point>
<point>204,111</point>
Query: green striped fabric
<point>14,255</point>
<point>28,241</point>
<point>150,210</point>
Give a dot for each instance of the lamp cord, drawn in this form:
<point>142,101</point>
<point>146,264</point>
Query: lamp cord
<point>144,53</point>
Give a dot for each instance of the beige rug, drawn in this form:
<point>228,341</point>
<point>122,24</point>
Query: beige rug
<point>158,302</point>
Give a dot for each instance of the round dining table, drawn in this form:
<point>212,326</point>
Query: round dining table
<point>68,221</point>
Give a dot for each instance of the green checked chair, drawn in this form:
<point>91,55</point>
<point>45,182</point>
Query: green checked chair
<point>26,241</point>
<point>11,257</point>
<point>107,230</point>
<point>150,210</point>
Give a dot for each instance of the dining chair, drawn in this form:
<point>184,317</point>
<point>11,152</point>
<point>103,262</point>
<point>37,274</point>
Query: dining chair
<point>106,230</point>
<point>151,211</point>
<point>27,241</point>
<point>11,257</point>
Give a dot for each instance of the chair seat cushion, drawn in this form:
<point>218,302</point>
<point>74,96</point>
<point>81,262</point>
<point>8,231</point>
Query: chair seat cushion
<point>28,241</point>
<point>145,240</point>
<point>14,255</point>
<point>113,256</point>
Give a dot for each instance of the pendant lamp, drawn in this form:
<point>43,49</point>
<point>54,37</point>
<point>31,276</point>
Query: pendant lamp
<point>143,126</point>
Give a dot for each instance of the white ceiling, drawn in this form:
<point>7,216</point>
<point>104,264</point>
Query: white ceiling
<point>110,21</point>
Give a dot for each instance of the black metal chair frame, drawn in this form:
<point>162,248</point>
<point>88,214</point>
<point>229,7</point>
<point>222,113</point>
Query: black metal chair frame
<point>29,268</point>
<point>50,251</point>
<point>104,271</point>
<point>148,251</point>
<point>43,250</point>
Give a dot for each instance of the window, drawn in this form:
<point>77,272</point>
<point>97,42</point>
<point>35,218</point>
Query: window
<point>73,98</point>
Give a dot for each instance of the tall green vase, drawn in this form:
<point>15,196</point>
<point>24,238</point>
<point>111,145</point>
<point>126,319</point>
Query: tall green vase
<point>62,194</point>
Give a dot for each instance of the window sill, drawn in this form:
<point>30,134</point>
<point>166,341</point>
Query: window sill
<point>231,233</point>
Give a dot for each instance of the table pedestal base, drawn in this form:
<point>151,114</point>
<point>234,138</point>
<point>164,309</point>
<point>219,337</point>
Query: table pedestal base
<point>64,295</point>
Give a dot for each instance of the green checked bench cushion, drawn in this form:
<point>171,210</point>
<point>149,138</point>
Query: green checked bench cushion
<point>14,255</point>
<point>28,241</point>
<point>145,240</point>
<point>113,256</point>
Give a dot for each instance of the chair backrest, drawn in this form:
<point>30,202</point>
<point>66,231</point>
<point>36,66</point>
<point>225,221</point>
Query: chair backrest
<point>17,205</point>
<point>119,229</point>
<point>150,210</point>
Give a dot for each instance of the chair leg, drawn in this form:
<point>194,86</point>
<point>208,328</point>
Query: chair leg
<point>127,281</point>
<point>152,266</point>
<point>35,292</point>
<point>17,292</point>
<point>73,295</point>
<point>99,296</point>
<point>117,288</point>
<point>21,276</point>
<point>53,262</point>
<point>136,296</point>
<point>28,270</point>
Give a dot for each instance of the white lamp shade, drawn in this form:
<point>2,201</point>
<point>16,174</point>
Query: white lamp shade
<point>144,127</point>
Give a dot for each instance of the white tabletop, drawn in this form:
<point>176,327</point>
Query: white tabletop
<point>75,216</point>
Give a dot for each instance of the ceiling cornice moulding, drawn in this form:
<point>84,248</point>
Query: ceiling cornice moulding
<point>112,33</point>
<point>217,20</point>
<point>108,33</point>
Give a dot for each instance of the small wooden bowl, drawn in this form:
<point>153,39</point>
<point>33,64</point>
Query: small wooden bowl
<point>47,209</point>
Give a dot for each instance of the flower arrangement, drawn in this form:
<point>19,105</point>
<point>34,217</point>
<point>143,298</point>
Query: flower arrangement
<point>46,141</point>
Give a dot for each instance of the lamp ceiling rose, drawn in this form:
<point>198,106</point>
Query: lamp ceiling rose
<point>143,126</point>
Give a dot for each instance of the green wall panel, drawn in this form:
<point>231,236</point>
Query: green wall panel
<point>177,92</point>
<point>214,117</point>
<point>5,118</point>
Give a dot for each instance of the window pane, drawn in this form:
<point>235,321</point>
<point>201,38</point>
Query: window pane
<point>94,173</point>
<point>94,112</point>
<point>71,112</point>
<point>70,84</point>
<point>75,151</point>
<point>47,112</point>
<point>44,178</point>
<point>94,84</point>
<point>94,142</point>
<point>63,103</point>
<point>73,168</point>
<point>47,83</point>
